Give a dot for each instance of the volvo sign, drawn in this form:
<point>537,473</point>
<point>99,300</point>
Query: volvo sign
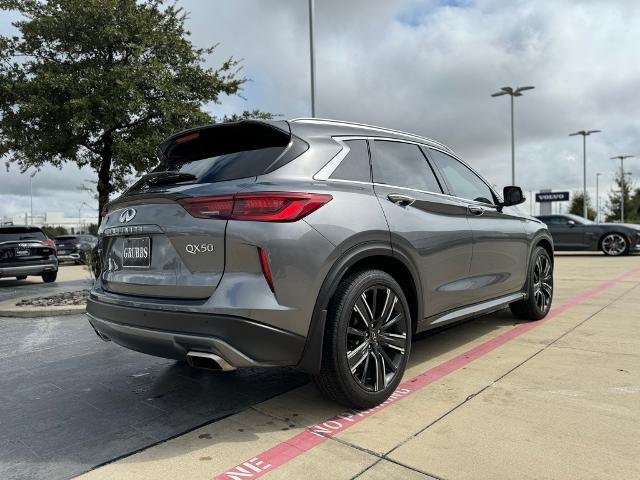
<point>543,197</point>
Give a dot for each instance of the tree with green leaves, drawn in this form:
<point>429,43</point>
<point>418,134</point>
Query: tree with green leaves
<point>631,197</point>
<point>100,83</point>
<point>577,205</point>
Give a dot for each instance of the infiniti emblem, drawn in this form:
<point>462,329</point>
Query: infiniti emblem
<point>127,215</point>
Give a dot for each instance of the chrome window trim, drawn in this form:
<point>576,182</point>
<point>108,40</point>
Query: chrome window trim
<point>325,172</point>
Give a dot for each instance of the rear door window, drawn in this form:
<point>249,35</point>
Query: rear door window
<point>462,180</point>
<point>355,166</point>
<point>403,165</point>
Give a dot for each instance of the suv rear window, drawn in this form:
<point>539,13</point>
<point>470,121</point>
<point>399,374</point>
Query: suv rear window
<point>224,152</point>
<point>9,234</point>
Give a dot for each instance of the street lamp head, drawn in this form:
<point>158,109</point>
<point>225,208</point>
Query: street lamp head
<point>584,133</point>
<point>519,90</point>
<point>622,157</point>
<point>511,91</point>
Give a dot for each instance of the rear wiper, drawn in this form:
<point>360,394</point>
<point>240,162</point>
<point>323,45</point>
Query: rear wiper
<point>163,178</point>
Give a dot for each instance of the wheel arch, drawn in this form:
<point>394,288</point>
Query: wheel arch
<point>547,245</point>
<point>542,239</point>
<point>378,255</point>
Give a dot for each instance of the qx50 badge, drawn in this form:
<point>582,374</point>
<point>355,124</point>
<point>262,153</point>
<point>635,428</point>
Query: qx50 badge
<point>127,215</point>
<point>195,248</point>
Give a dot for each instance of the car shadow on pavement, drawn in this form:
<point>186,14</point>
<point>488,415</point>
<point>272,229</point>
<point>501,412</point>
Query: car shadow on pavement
<point>69,401</point>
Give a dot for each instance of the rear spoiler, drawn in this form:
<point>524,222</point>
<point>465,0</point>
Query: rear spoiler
<point>261,131</point>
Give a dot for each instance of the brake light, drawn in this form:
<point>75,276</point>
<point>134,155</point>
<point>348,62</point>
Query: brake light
<point>266,270</point>
<point>260,207</point>
<point>50,243</point>
<point>208,207</point>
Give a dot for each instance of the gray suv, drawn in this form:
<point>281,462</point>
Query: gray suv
<point>312,243</point>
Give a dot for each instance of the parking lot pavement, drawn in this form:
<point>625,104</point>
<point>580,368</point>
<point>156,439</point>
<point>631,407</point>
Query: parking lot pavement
<point>70,278</point>
<point>490,398</point>
<point>69,402</point>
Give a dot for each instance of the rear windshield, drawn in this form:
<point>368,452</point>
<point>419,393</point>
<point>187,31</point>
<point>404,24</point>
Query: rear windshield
<point>225,151</point>
<point>21,233</point>
<point>66,237</point>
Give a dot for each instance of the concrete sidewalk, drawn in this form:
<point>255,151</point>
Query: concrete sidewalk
<point>555,399</point>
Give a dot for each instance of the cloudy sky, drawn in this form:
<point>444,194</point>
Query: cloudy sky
<point>429,67</point>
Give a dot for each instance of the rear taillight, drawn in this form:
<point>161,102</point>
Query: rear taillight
<point>259,207</point>
<point>50,243</point>
<point>208,207</point>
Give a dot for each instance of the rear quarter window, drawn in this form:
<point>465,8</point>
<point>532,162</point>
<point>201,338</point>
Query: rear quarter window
<point>355,166</point>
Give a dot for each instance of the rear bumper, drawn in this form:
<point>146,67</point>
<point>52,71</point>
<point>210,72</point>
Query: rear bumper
<point>239,341</point>
<point>22,270</point>
<point>70,256</point>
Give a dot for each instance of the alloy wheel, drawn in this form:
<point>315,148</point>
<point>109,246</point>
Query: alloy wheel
<point>376,338</point>
<point>543,282</point>
<point>614,244</point>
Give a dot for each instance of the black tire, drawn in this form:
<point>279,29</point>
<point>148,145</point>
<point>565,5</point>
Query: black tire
<point>614,244</point>
<point>537,303</point>
<point>49,277</point>
<point>379,348</point>
<point>22,277</point>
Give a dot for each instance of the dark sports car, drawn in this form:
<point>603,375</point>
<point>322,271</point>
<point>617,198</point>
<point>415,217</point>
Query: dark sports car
<point>571,232</point>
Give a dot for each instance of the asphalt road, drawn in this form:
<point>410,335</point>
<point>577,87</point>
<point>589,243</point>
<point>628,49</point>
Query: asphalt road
<point>70,402</point>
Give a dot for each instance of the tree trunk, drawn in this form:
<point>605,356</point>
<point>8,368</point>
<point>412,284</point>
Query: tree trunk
<point>104,183</point>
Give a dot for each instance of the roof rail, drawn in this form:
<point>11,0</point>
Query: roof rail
<point>384,129</point>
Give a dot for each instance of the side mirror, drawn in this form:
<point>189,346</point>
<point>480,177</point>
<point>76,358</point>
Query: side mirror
<point>571,223</point>
<point>512,196</point>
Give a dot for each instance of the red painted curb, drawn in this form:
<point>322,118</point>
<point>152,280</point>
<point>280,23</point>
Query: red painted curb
<point>314,435</point>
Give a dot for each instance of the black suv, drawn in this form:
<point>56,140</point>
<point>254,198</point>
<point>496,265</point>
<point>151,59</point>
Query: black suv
<point>27,251</point>
<point>76,248</point>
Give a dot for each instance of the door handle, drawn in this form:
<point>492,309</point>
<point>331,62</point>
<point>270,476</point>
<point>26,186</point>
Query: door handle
<point>402,200</point>
<point>477,211</point>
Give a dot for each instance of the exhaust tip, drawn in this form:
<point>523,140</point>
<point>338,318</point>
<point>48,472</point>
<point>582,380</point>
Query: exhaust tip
<point>208,361</point>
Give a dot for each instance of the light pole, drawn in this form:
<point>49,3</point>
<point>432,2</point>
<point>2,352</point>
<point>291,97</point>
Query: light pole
<point>598,197</point>
<point>80,216</point>
<point>512,93</point>
<point>31,195</point>
<point>622,182</point>
<point>312,59</point>
<point>584,134</point>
